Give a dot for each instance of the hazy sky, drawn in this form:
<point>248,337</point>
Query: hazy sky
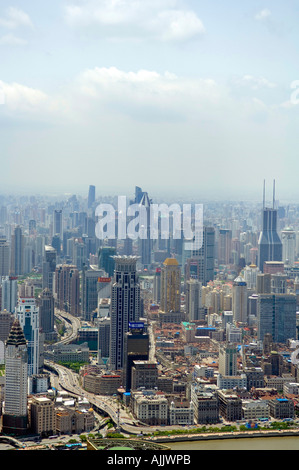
<point>185,96</point>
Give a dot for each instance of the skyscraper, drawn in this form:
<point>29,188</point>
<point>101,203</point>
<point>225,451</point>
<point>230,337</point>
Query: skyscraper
<point>225,246</point>
<point>239,300</point>
<point>145,242</point>
<point>67,288</point>
<point>17,252</point>
<point>28,315</point>
<point>125,306</point>
<point>106,259</point>
<point>58,223</point>
<point>89,292</point>
<point>276,315</point>
<point>91,196</point>
<point>4,257</point>
<point>136,349</point>
<point>49,266</point>
<point>15,417</point>
<point>269,244</point>
<point>288,239</point>
<point>9,293</point>
<point>194,308</point>
<point>228,359</point>
<point>200,263</point>
<point>46,313</point>
<point>170,286</point>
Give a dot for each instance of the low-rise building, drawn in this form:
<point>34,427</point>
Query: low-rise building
<point>150,407</point>
<point>255,409</point>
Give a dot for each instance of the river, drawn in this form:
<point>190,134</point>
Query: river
<point>254,443</point>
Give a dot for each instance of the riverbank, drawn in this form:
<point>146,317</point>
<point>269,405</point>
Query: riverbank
<point>226,435</point>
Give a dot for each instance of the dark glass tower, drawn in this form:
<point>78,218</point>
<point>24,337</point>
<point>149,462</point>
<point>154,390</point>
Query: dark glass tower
<point>269,245</point>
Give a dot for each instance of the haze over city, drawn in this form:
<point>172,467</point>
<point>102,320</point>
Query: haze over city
<point>181,97</point>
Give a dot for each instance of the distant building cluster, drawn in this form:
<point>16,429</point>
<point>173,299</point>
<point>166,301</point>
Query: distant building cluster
<point>182,336</point>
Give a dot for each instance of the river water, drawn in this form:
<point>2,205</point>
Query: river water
<point>254,443</point>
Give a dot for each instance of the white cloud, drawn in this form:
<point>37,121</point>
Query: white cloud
<point>161,20</point>
<point>177,25</point>
<point>263,14</point>
<point>254,83</point>
<point>12,40</point>
<point>14,18</point>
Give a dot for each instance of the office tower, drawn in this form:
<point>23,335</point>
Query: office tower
<point>103,338</point>
<point>239,300</point>
<point>15,416</point>
<point>46,313</point>
<point>4,257</point>
<point>200,263</point>
<point>194,308</point>
<point>56,243</point>
<point>144,241</point>
<point>250,276</point>
<point>228,359</point>
<point>157,286</point>
<point>138,194</point>
<point>279,283</point>
<point>58,224</point>
<point>6,321</point>
<point>224,246</point>
<point>288,239</point>
<point>276,315</point>
<point>89,292</point>
<point>145,375</point>
<point>17,252</point>
<point>79,254</point>
<point>91,196</point>
<point>106,259</point>
<point>269,244</point>
<point>9,293</point>
<point>263,283</point>
<point>125,306</point>
<point>67,288</point>
<point>49,266</point>
<point>28,315</point>
<point>136,349</point>
<point>170,286</point>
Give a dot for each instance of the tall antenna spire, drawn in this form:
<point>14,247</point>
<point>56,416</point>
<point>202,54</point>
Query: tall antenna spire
<point>264,196</point>
<point>273,194</point>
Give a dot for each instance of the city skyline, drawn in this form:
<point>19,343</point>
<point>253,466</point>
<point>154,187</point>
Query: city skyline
<point>152,90</point>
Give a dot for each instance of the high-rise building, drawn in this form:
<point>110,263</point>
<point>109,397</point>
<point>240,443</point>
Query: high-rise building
<point>225,246</point>
<point>106,259</point>
<point>125,306</point>
<point>239,300</point>
<point>276,315</point>
<point>17,252</point>
<point>145,241</point>
<point>269,244</point>
<point>91,196</point>
<point>46,313</point>
<point>103,338</point>
<point>9,296</point>
<point>194,307</point>
<point>228,359</point>
<point>200,263</point>
<point>49,266</point>
<point>157,286</point>
<point>170,286</point>
<point>288,239</point>
<point>15,416</point>
<point>136,349</point>
<point>90,279</point>
<point>28,315</point>
<point>67,288</point>
<point>58,223</point>
<point>4,257</point>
